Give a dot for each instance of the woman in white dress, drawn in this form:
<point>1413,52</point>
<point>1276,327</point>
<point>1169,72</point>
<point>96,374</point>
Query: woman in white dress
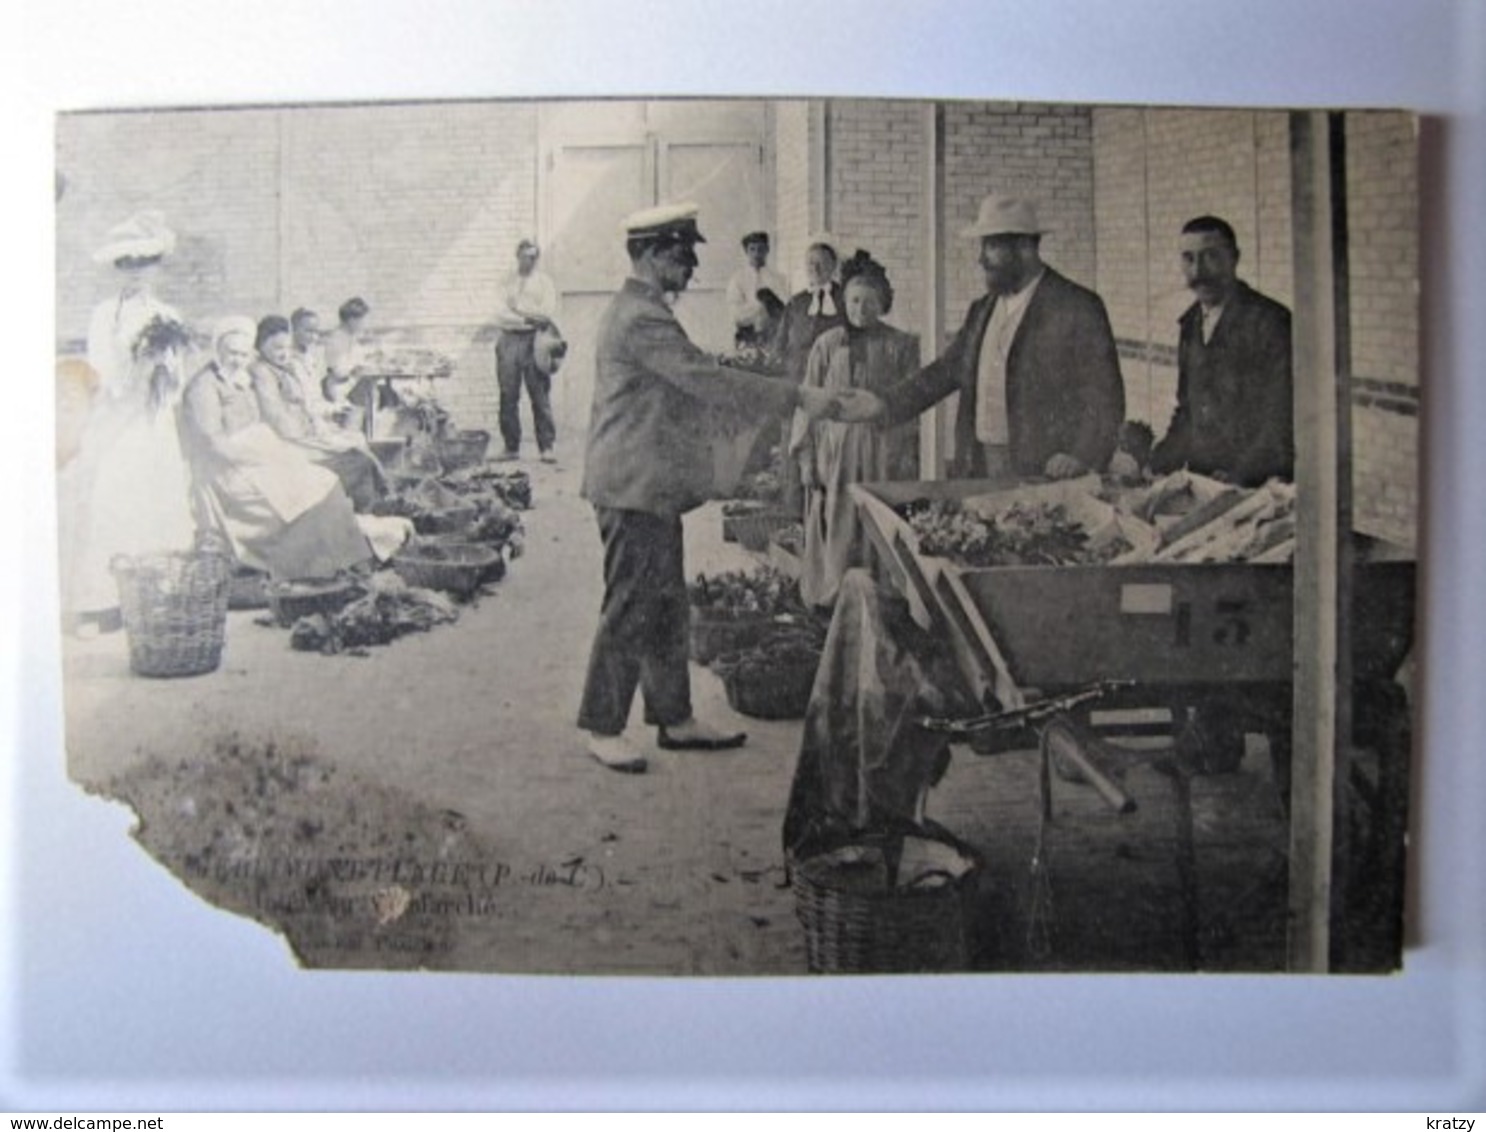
<point>126,491</point>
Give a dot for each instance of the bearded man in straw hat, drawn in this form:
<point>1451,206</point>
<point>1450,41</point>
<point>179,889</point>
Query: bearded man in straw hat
<point>1035,364</point>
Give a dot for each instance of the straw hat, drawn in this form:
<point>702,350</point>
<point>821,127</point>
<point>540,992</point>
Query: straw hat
<point>1005,216</point>
<point>143,236</point>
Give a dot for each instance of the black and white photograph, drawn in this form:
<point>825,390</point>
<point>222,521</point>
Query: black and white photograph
<point>749,536</point>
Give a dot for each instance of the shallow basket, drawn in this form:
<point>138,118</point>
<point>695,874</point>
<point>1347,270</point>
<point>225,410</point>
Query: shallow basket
<point>752,531</point>
<point>390,453</point>
<point>248,589</point>
<point>778,691</point>
<point>290,601</point>
<point>445,520</point>
<point>457,568</point>
<point>464,449</point>
<point>174,607</point>
<point>852,930</point>
<point>711,637</point>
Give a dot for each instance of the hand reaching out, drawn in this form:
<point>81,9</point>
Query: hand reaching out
<point>816,403</point>
<point>856,406</point>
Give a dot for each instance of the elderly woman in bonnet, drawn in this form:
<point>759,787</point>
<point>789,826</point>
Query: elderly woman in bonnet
<point>284,404</point>
<point>865,353</point>
<point>280,511</point>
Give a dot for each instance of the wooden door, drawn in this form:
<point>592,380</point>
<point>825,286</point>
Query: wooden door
<point>602,161</point>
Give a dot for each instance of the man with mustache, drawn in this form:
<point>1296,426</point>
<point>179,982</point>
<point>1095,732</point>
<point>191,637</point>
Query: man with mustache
<point>649,462</point>
<point>1234,418</point>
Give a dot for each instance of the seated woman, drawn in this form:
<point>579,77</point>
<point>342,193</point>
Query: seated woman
<point>868,354</point>
<point>280,510</point>
<point>283,403</point>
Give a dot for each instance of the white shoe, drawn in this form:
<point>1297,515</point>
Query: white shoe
<point>617,753</point>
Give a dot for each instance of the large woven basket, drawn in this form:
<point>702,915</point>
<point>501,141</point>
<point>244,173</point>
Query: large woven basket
<point>711,637</point>
<point>752,531</point>
<point>856,929</point>
<point>175,610</point>
<point>778,691</point>
<point>463,449</point>
<point>456,568</point>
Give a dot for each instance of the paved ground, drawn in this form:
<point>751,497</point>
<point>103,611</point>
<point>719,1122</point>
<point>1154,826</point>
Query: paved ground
<point>430,804</point>
<point>680,867</point>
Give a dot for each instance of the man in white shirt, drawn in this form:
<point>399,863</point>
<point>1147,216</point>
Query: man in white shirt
<point>528,303</point>
<point>1035,364</point>
<point>756,294</point>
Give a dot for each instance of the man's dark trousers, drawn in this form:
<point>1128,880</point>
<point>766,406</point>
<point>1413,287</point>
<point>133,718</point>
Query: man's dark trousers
<point>643,624</point>
<point>515,366</point>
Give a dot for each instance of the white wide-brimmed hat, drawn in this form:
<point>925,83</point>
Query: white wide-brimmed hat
<point>143,236</point>
<point>1005,216</point>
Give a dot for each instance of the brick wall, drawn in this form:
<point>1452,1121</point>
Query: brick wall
<point>878,153</point>
<point>792,140</point>
<point>214,175</point>
<point>1154,169</point>
<point>417,208</point>
<point>1383,223</point>
<point>1026,149</point>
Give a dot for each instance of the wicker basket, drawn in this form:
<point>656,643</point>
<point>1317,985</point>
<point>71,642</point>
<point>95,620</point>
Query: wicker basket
<point>175,611</point>
<point>773,691</point>
<point>463,449</point>
<point>248,589</point>
<point>711,637</point>
<point>445,520</point>
<point>752,531</point>
<point>290,601</point>
<point>390,453</point>
<point>457,568</point>
<point>860,925</point>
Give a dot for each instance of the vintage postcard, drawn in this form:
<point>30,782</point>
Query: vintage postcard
<point>749,537</point>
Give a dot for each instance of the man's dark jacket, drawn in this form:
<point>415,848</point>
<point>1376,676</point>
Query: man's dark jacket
<point>1064,392</point>
<point>1234,394</point>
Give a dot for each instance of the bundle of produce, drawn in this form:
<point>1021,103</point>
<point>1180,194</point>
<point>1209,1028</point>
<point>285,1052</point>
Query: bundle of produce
<point>496,522</point>
<point>513,486</point>
<point>1023,534</point>
<point>389,609</point>
<point>735,610</point>
<point>764,592</point>
<point>410,361</point>
<point>1256,526</point>
<point>759,359</point>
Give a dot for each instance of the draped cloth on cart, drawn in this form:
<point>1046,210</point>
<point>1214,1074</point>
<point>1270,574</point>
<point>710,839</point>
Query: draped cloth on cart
<point>865,764</point>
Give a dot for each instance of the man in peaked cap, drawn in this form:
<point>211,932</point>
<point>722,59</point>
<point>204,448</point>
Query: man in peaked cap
<point>648,462</point>
<point>1035,364</point>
